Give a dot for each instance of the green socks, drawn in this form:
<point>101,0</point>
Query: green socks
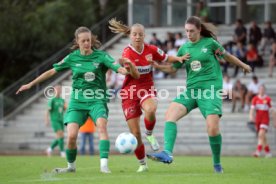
<point>71,155</point>
<point>54,144</point>
<point>61,144</point>
<point>170,136</point>
<point>104,148</point>
<point>215,143</point>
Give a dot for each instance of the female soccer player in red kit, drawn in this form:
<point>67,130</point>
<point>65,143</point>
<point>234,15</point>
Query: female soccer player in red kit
<point>138,91</point>
<point>261,104</point>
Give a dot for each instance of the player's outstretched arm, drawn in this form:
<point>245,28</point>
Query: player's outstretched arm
<point>174,59</point>
<point>234,60</point>
<point>130,67</point>
<point>164,68</point>
<point>41,78</point>
<point>251,114</point>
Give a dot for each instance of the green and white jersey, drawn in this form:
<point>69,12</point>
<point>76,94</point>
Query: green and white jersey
<point>203,65</point>
<point>56,109</point>
<point>89,80</point>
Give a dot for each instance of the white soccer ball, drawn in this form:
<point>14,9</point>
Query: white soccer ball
<point>126,143</point>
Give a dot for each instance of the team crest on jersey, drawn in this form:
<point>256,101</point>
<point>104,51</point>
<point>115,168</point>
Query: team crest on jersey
<point>161,52</point>
<point>204,50</point>
<point>195,65</point>
<point>96,65</point>
<point>148,57</point>
<point>89,76</point>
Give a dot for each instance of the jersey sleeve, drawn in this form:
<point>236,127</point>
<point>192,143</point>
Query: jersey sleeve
<point>180,52</point>
<point>63,64</point>
<point>109,62</point>
<point>158,54</point>
<point>218,49</point>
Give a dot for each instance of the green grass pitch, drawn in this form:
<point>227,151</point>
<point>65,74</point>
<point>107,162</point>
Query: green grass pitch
<point>184,169</point>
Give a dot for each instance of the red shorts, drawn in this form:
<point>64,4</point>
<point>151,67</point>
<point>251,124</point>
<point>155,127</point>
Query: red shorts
<point>260,125</point>
<point>132,107</point>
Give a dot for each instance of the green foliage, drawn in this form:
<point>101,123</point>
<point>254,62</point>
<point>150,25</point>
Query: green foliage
<point>32,30</point>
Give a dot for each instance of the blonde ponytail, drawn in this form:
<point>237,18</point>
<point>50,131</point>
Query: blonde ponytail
<point>118,27</point>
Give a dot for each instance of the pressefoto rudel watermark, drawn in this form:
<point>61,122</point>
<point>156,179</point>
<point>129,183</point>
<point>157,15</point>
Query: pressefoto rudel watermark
<point>133,93</point>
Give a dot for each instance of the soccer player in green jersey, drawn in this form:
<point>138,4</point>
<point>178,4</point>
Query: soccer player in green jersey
<point>203,76</point>
<point>56,109</point>
<point>89,93</point>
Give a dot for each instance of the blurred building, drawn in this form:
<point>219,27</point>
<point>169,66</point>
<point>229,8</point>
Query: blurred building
<point>174,12</point>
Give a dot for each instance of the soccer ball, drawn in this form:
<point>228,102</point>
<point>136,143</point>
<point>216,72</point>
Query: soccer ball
<point>126,143</point>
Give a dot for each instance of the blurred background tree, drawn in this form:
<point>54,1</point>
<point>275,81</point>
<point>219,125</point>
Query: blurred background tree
<point>32,30</point>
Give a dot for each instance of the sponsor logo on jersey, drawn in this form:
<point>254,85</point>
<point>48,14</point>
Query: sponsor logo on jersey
<point>262,107</point>
<point>161,52</point>
<point>78,64</point>
<point>195,65</point>
<point>204,50</point>
<point>136,60</point>
<point>89,76</point>
<point>144,69</point>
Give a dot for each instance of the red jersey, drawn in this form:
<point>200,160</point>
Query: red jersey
<point>140,60</point>
<point>262,106</point>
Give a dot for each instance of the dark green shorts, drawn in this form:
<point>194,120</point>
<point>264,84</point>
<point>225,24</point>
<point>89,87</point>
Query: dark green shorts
<point>57,125</point>
<point>208,101</point>
<point>78,112</point>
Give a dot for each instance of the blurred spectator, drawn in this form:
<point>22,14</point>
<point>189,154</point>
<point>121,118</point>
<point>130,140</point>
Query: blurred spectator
<point>169,38</point>
<point>229,48</point>
<point>171,51</point>
<point>227,87</point>
<point>157,74</point>
<point>110,79</point>
<point>118,83</point>
<point>87,132</point>
<point>239,52</point>
<point>252,56</point>
<point>202,11</point>
<point>252,88</point>
<point>240,32</point>
<point>155,41</point>
<point>179,40</point>
<point>239,93</point>
<point>255,34</point>
<point>272,60</point>
<point>268,37</point>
